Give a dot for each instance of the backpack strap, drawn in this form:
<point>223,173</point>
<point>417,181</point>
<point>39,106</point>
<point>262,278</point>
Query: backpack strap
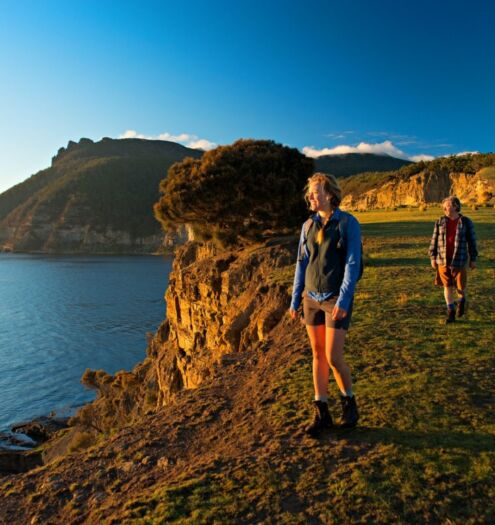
<point>343,222</point>
<point>306,226</point>
<point>343,231</point>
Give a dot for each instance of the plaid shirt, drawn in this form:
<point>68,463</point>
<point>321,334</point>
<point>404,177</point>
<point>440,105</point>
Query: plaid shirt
<point>465,243</point>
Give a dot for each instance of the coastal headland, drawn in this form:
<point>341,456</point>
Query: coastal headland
<point>209,426</point>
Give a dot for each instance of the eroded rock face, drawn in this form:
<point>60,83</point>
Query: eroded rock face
<point>425,187</point>
<point>217,303</point>
<point>39,231</point>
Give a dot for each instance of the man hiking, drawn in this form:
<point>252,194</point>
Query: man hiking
<point>452,247</point>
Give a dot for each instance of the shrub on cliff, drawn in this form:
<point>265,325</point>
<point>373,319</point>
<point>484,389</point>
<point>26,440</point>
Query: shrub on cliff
<point>237,192</point>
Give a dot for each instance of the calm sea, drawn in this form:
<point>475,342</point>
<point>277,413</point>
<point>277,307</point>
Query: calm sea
<point>62,314</point>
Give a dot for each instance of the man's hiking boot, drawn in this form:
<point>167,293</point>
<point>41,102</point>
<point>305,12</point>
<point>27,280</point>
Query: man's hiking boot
<point>450,316</point>
<point>350,413</point>
<point>322,419</point>
<point>461,308</point>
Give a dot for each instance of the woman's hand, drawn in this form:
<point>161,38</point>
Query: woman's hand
<point>472,265</point>
<point>434,264</point>
<point>338,313</point>
<point>294,314</point>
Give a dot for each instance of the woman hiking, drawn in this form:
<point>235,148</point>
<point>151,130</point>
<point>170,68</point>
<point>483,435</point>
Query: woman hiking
<point>328,266</point>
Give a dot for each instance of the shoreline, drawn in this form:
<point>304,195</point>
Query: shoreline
<point>89,254</point>
<point>20,447</point>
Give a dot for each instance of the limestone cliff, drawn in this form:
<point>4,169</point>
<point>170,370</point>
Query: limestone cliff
<point>427,186</point>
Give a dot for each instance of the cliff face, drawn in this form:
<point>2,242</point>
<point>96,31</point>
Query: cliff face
<point>40,230</point>
<point>219,304</point>
<point>425,187</point>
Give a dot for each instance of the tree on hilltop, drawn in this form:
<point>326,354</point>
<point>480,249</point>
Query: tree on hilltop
<point>236,192</point>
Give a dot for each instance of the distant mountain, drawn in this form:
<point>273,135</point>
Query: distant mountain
<point>97,197</point>
<point>352,163</point>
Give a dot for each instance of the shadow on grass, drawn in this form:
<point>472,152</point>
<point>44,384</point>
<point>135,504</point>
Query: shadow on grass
<point>470,441</point>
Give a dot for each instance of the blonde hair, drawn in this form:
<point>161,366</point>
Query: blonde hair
<point>456,203</point>
<point>330,186</point>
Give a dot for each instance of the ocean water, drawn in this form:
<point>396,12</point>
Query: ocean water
<point>62,314</point>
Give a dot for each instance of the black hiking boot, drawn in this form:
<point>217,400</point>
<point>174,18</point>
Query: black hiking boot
<point>461,308</point>
<point>322,419</point>
<point>450,316</point>
<point>350,413</point>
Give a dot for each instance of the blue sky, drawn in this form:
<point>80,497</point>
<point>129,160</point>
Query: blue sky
<point>408,78</point>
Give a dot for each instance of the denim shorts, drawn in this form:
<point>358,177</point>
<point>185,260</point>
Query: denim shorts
<point>316,313</point>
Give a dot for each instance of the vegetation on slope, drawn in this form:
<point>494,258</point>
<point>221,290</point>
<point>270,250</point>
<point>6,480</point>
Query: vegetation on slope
<point>112,184</point>
<point>352,163</point>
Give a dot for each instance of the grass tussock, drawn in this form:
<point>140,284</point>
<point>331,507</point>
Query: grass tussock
<point>81,441</point>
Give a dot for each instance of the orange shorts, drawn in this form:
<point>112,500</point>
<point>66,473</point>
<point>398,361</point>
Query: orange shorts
<point>447,276</point>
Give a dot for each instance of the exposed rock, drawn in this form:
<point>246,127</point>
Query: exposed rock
<point>37,232</point>
<point>42,428</point>
<point>219,304</point>
<point>423,188</point>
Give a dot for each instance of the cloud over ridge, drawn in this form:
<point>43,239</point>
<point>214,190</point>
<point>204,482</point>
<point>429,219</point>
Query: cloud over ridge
<point>186,139</point>
<point>386,147</point>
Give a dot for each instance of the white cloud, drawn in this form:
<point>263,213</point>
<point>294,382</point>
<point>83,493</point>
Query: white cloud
<point>383,148</point>
<point>386,147</point>
<point>419,158</point>
<point>131,134</point>
<point>183,137</point>
<point>467,153</point>
<point>202,144</point>
<point>186,139</point>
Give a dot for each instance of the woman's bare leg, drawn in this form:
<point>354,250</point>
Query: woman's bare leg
<point>334,345</point>
<point>320,364</point>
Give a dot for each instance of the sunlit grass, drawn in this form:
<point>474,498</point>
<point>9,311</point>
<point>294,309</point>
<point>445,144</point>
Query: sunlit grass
<point>424,451</point>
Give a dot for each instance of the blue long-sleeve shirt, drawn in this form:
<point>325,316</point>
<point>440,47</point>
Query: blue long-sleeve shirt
<point>352,264</point>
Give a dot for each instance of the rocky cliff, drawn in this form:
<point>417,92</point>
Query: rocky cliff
<point>68,232</point>
<point>427,186</point>
<point>219,304</point>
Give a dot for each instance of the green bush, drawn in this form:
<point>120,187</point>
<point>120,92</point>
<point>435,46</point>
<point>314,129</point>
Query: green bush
<point>236,193</point>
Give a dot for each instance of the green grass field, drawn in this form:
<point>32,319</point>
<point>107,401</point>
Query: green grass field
<point>426,391</point>
<point>424,451</point>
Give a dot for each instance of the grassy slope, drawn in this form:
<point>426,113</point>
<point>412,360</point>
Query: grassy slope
<point>425,448</point>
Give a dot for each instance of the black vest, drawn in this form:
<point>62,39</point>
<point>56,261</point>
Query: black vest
<point>326,265</point>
